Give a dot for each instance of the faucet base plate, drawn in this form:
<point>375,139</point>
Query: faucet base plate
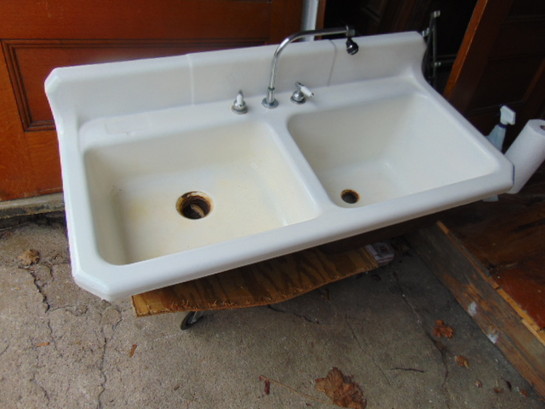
<point>268,104</point>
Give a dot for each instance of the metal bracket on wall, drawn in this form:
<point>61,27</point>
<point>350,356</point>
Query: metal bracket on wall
<point>430,62</point>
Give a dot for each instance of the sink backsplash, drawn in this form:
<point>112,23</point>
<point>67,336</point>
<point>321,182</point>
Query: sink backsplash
<point>161,83</point>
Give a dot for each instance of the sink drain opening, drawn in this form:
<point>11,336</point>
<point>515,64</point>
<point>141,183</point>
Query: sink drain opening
<point>350,196</point>
<point>194,205</point>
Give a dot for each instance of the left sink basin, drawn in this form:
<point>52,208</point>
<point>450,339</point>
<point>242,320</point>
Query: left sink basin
<point>166,194</point>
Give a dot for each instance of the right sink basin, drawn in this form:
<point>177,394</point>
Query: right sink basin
<point>385,149</point>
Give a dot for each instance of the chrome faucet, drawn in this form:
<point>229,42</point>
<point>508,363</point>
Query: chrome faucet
<point>351,48</point>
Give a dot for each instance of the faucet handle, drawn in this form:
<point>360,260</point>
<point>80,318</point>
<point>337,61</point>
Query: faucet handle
<point>301,93</point>
<point>239,105</point>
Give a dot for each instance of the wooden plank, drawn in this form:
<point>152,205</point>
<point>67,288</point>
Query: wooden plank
<point>507,237</point>
<point>264,283</point>
<point>526,319</point>
<point>468,281</point>
<point>499,233</point>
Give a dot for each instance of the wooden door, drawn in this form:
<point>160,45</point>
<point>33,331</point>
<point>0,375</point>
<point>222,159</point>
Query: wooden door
<point>501,61</point>
<point>36,36</point>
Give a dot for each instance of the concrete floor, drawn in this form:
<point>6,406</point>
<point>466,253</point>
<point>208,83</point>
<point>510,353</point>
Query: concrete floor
<point>61,347</point>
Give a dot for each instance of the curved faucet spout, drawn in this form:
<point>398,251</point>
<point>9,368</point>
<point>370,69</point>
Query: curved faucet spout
<point>270,101</point>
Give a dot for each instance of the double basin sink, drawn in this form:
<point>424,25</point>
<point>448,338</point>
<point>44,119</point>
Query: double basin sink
<point>171,191</point>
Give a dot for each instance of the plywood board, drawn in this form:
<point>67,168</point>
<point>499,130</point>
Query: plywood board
<point>264,283</point>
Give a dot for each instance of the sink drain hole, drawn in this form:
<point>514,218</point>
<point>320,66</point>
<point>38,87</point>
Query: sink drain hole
<point>194,205</point>
<point>350,196</point>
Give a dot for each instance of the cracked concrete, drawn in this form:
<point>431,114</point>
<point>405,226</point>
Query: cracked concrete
<point>61,347</point>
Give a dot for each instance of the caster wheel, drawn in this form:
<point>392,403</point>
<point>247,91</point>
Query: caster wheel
<point>191,319</point>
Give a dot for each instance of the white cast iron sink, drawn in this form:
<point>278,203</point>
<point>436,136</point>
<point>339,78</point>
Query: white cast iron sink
<point>163,183</point>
